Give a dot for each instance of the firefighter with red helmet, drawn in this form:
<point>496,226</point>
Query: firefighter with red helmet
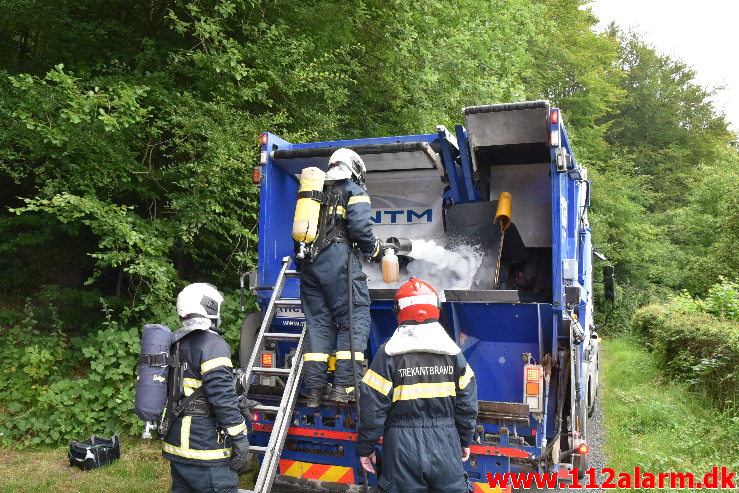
<point>420,395</point>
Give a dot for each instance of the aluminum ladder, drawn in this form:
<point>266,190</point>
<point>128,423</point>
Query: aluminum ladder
<point>283,412</point>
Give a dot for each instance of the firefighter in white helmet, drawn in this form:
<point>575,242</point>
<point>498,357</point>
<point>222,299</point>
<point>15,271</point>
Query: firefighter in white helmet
<point>421,394</point>
<point>345,224</point>
<point>206,440</point>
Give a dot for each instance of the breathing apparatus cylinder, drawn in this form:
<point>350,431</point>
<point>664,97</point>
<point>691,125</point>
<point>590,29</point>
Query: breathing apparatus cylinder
<point>308,206</point>
<point>151,386</point>
<point>503,212</point>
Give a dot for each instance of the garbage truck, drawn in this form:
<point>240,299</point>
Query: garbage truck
<point>517,295</point>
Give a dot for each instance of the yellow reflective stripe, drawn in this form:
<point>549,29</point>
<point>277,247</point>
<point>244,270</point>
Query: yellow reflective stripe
<point>423,391</point>
<point>215,363</point>
<point>359,356</point>
<point>235,430</point>
<point>213,454</point>
<point>338,210</point>
<point>185,432</point>
<point>190,384</point>
<point>315,357</point>
<point>464,380</point>
<point>377,382</point>
<point>358,198</point>
<point>376,250</point>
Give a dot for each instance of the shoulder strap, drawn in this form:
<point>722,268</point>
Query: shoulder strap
<point>175,402</point>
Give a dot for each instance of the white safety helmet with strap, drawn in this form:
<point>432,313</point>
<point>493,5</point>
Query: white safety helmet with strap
<point>345,163</point>
<point>199,299</point>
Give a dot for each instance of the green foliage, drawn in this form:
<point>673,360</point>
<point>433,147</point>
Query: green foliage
<point>128,135</point>
<point>697,340</point>
<point>55,388</point>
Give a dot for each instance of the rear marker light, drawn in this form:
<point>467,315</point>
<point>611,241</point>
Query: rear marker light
<point>266,360</point>
<point>533,374</point>
<point>255,417</point>
<point>532,388</point>
<point>583,449</point>
<point>263,139</point>
<point>256,176</point>
<point>555,116</point>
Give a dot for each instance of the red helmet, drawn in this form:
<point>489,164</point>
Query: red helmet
<point>416,300</point>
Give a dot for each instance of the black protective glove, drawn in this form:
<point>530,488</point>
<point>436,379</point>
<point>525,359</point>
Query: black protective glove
<point>240,454</point>
<point>376,257</point>
<point>245,405</point>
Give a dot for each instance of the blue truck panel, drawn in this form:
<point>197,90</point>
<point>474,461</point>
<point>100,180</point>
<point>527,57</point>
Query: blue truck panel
<point>499,337</point>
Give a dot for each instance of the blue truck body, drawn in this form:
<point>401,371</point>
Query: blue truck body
<point>452,180</point>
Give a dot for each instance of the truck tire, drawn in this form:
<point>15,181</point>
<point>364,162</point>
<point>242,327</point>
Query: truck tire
<point>248,336</point>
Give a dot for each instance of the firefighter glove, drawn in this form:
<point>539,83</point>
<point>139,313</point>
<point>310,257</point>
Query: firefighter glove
<point>376,255</point>
<point>245,405</point>
<point>239,454</point>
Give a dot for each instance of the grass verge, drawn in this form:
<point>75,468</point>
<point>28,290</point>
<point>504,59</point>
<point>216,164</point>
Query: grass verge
<point>141,469</point>
<point>659,425</point>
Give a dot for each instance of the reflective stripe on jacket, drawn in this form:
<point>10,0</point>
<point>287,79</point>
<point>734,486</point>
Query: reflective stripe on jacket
<point>194,439</point>
<point>414,387</point>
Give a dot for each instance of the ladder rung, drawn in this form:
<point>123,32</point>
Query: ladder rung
<point>288,302</point>
<point>281,336</point>
<point>257,450</point>
<point>264,409</point>
<point>260,370</point>
<point>292,273</point>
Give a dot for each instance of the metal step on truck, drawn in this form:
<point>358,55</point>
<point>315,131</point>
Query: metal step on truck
<point>521,309</point>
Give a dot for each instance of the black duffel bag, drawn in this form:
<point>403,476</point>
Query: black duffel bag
<point>95,452</point>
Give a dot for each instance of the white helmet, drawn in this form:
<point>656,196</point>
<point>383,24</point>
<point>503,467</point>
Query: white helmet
<point>199,298</point>
<point>345,163</point>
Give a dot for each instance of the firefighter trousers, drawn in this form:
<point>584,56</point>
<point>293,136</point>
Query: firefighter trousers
<point>325,297</point>
<point>422,457</point>
<point>189,478</point>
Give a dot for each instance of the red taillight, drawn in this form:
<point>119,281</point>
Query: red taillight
<point>554,115</point>
<point>533,374</point>
<point>533,432</point>
<point>267,360</point>
<point>263,139</point>
<point>256,176</point>
<point>583,449</point>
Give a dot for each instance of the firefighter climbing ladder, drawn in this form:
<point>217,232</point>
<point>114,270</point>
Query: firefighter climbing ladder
<point>284,411</point>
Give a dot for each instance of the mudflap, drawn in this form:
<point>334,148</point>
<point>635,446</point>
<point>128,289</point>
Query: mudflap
<point>289,484</point>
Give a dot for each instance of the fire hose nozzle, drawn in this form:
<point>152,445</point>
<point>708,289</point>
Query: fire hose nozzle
<point>402,246</point>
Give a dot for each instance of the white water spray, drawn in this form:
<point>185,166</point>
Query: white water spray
<point>442,268</point>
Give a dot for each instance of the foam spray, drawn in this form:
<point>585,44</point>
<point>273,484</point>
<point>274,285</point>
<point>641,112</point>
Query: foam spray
<point>443,268</point>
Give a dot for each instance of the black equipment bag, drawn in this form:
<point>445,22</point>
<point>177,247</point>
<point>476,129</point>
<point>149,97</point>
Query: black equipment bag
<point>95,452</point>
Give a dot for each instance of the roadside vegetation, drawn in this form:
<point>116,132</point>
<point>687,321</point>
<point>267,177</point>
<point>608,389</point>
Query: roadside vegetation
<point>658,424</point>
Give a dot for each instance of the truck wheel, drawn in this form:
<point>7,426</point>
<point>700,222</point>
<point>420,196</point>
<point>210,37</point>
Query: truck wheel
<point>248,336</point>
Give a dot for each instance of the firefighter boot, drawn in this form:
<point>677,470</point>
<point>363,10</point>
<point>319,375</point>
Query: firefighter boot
<point>342,394</point>
<point>316,395</point>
